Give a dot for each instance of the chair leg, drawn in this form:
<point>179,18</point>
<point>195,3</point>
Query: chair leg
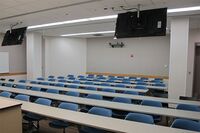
<point>38,124</point>
<point>63,130</point>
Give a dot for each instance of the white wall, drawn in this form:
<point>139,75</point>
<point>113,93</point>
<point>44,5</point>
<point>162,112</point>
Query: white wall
<point>151,54</point>
<point>65,56</point>
<point>17,56</point>
<point>34,55</point>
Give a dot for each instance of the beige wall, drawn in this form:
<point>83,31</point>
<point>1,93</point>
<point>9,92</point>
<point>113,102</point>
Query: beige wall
<point>151,56</point>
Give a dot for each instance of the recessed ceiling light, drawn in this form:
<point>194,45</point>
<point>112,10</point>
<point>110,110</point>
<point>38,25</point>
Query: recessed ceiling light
<point>88,33</point>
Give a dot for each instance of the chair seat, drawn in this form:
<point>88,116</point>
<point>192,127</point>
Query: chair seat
<point>33,117</point>
<point>58,124</point>
<point>91,130</point>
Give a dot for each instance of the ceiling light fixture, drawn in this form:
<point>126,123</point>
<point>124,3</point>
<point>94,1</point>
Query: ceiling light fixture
<point>185,9</point>
<point>73,21</point>
<point>88,33</point>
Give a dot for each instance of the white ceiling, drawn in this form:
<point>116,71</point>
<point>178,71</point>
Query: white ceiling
<point>75,9</point>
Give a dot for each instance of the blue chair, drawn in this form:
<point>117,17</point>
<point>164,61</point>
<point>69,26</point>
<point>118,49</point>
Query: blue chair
<point>60,85</point>
<point>33,82</point>
<point>186,125</point>
<point>9,85</point>
<point>31,117</point>
<point>105,84</point>
<point>108,90</point>
<point>153,104</point>
<point>72,93</point>
<point>122,100</point>
<point>126,82</point>
<point>72,78</point>
<point>120,85</point>
<point>159,84</point>
<point>83,79</point>
<point>140,87</point>
<point>51,79</point>
<point>62,124</point>
<point>132,78</point>
<point>40,78</point>
<point>62,80</point>
<point>22,81</point>
<point>81,76</point>
<point>70,75</point>
<point>52,91</point>
<point>141,83</point>
<point>73,86</point>
<point>110,81</point>
<point>60,77</point>
<point>142,78</point>
<point>51,76</point>
<point>95,96</point>
<point>5,94</point>
<point>119,113</point>
<point>131,92</point>
<point>96,111</point>
<point>22,97</point>
<point>89,83</point>
<point>21,86</point>
<point>188,107</point>
<point>139,80</point>
<point>156,81</point>
<point>91,88</point>
<point>44,83</point>
<point>138,117</point>
<point>35,88</point>
<point>160,79</point>
<point>76,82</point>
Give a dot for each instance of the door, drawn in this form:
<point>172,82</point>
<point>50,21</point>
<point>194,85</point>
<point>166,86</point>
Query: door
<point>196,87</point>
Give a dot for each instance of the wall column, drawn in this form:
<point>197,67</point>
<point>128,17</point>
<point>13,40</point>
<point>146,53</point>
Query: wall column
<point>179,43</point>
<point>34,55</point>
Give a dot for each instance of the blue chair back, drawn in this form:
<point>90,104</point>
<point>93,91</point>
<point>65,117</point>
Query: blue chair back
<point>69,106</point>
<point>89,83</point>
<point>151,103</point>
<point>186,125</point>
<point>52,91</point>
<point>140,118</point>
<point>188,107</point>
<point>21,86</point>
<point>141,83</point>
<point>43,101</point>
<point>105,84</point>
<point>22,81</point>
<point>91,88</point>
<point>62,80</point>
<point>72,93</point>
<point>95,96</point>
<point>44,83</point>
<point>35,88</point>
<point>108,90</point>
<point>72,78</point>
<point>40,78</point>
<point>110,81</point>
<point>100,111</point>
<point>76,82</point>
<point>33,82</point>
<point>140,87</point>
<point>60,85</point>
<point>22,97</point>
<point>51,79</point>
<point>131,92</point>
<point>73,86</point>
<point>160,84</point>
<point>81,76</point>
<point>9,85</point>
<point>70,75</point>
<point>60,77</point>
<point>120,85</point>
<point>5,94</point>
<point>122,100</point>
<point>51,76</point>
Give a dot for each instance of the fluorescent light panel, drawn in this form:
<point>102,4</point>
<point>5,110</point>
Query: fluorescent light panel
<point>88,33</point>
<point>74,21</point>
<point>185,9</point>
<point>107,17</point>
